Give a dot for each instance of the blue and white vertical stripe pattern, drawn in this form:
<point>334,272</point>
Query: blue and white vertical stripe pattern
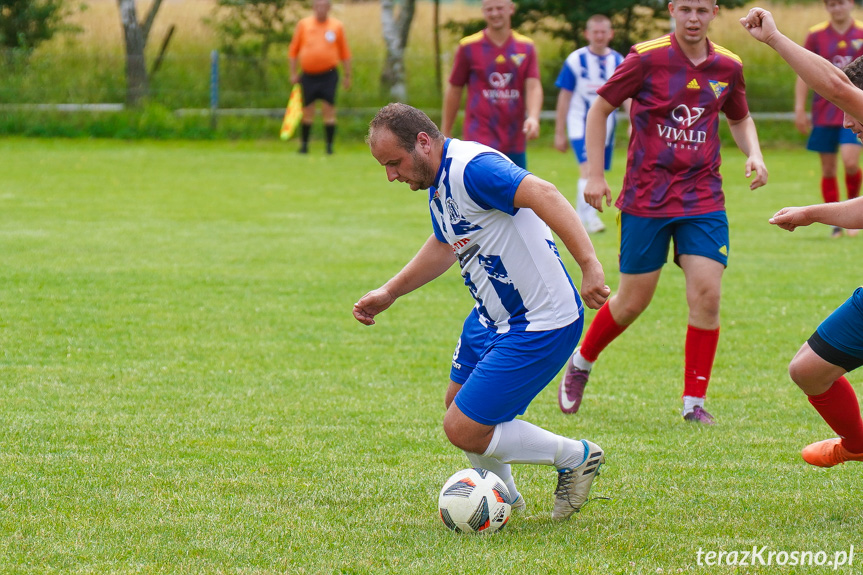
<point>582,74</point>
<point>508,257</point>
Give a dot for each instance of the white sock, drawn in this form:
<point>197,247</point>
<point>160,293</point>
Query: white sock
<point>689,403</point>
<point>580,363</point>
<point>502,470</point>
<point>518,441</point>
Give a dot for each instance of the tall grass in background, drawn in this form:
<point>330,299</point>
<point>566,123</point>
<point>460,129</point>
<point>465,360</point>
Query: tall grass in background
<point>88,67</point>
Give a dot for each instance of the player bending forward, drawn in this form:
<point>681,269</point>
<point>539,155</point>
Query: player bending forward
<point>494,218</point>
<point>836,347</point>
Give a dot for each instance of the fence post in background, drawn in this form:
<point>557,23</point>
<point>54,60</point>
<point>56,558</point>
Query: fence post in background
<point>214,87</point>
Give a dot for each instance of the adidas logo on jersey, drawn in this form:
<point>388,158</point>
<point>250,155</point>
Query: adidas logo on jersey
<point>693,85</point>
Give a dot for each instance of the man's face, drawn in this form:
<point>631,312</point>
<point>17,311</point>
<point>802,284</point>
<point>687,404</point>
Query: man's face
<point>839,10</point>
<point>413,167</point>
<point>692,18</point>
<point>497,13</point>
<point>598,35</point>
<point>321,8</point>
<point>852,124</point>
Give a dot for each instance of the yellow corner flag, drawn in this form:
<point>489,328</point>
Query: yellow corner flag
<point>293,113</point>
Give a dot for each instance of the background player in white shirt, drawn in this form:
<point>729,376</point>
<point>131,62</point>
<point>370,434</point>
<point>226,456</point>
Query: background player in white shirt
<point>583,72</point>
<point>494,218</point>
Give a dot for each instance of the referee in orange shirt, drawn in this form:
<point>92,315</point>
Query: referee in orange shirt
<point>317,47</point>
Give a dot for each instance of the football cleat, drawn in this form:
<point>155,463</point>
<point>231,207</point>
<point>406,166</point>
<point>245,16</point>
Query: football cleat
<point>519,504</point>
<point>573,485</point>
<point>828,453</point>
<point>571,389</point>
<point>699,415</point>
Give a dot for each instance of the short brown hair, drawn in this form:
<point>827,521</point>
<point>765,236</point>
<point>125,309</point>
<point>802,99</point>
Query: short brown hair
<point>405,122</point>
<point>854,71</point>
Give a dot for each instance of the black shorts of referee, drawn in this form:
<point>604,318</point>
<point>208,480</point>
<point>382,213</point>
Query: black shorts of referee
<point>320,86</point>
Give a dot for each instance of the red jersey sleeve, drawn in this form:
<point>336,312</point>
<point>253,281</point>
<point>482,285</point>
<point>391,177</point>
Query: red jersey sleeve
<point>533,64</point>
<point>626,81</point>
<point>736,107</point>
<point>460,74</point>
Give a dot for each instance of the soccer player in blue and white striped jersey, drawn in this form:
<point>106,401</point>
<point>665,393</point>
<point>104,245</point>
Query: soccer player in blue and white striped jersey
<point>496,220</point>
<point>583,72</point>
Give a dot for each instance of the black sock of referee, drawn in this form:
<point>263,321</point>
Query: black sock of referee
<point>330,130</point>
<point>305,131</point>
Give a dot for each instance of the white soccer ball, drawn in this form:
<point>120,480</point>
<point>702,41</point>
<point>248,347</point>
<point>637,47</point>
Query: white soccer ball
<point>474,501</point>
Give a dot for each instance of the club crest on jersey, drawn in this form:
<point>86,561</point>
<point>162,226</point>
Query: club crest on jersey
<point>683,137</point>
<point>718,87</point>
<point>517,59</point>
<point>857,44</point>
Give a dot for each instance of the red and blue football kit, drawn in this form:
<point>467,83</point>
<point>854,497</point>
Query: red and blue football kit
<point>841,50</point>
<point>673,157</point>
<point>495,77</point>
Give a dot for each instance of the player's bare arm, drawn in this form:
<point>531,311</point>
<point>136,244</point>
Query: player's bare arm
<point>819,74</point>
<point>595,132</point>
<point>848,214</point>
<point>561,141</point>
<point>746,138</point>
<point>451,104</point>
<point>801,118</point>
<point>549,204</point>
<point>431,261</point>
<point>533,105</point>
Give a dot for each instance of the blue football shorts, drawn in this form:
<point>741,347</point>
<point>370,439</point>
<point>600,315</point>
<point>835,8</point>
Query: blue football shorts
<point>827,139</point>
<point>581,153</point>
<point>501,373</point>
<point>839,338</point>
<point>644,242</point>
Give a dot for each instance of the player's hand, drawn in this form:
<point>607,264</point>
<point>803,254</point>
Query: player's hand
<point>346,83</point>
<point>594,292</point>
<point>371,305</point>
<point>790,218</point>
<point>295,78</point>
<point>531,128</point>
<point>594,192</point>
<point>561,142</point>
<point>802,122</point>
<point>756,164</point>
<point>760,25</point>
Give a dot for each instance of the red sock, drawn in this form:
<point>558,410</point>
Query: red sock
<point>602,331</point>
<point>830,190</point>
<point>701,347</point>
<point>839,408</point>
<point>852,183</point>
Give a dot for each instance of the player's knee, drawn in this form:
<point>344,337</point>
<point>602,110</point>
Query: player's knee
<point>705,301</point>
<point>797,373</point>
<point>453,432</point>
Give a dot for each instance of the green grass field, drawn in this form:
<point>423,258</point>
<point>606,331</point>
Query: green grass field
<point>184,389</point>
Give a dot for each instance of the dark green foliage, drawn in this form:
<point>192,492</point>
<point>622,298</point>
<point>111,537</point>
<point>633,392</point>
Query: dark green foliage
<point>24,24</point>
<point>249,28</point>
<point>633,20</point>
